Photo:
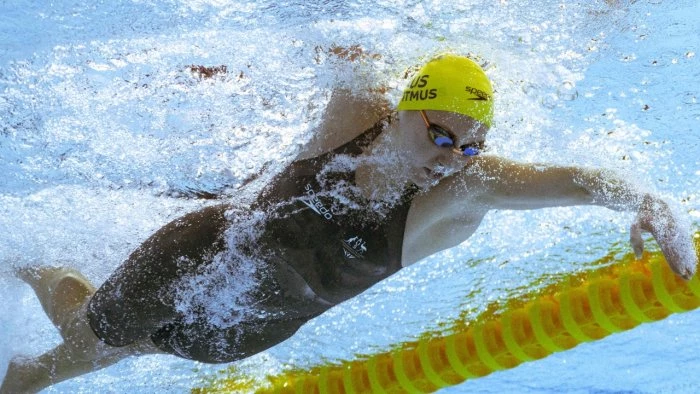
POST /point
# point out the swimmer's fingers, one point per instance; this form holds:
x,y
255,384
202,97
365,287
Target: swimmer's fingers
x,y
680,256
636,239
675,242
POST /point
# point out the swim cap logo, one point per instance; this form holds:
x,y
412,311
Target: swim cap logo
x,y
420,81
416,92
480,94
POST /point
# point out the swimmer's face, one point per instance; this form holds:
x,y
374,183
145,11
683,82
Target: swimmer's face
x,y
431,162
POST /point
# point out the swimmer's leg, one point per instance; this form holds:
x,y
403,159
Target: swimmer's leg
x,y
31,375
139,297
59,290
131,305
281,303
64,295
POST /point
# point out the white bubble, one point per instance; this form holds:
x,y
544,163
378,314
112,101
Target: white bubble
x,y
567,91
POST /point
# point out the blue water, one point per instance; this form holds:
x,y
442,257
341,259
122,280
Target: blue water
x,y
103,130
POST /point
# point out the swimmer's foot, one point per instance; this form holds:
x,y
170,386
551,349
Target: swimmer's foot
x,y
22,378
65,294
60,290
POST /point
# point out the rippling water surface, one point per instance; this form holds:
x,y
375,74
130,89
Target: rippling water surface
x,y
106,134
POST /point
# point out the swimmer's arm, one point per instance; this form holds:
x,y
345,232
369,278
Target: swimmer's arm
x,y
348,112
502,184
450,212
505,184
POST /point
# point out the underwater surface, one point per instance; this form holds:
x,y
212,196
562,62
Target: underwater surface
x,y
108,131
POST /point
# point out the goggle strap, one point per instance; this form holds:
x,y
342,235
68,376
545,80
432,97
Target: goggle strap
x,y
425,118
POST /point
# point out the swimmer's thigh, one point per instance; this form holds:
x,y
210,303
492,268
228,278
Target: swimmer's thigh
x,y
137,300
205,342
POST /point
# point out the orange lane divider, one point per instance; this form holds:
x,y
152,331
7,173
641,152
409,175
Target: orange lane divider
x,y
581,308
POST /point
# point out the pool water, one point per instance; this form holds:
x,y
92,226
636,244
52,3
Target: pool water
x,y
107,131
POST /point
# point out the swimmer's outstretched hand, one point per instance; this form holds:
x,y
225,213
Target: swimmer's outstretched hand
x,y
675,240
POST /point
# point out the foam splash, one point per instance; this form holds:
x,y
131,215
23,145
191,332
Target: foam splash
x,y
106,134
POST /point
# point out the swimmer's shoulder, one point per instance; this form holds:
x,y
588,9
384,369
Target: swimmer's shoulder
x,y
448,213
471,191
347,115
473,183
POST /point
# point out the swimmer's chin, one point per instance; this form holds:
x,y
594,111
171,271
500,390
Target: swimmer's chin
x,y
427,178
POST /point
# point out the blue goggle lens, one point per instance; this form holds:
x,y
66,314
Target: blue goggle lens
x,y
444,142
469,151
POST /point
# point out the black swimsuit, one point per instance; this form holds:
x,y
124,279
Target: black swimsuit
x,y
320,243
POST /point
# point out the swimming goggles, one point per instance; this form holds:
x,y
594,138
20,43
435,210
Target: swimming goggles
x,y
446,139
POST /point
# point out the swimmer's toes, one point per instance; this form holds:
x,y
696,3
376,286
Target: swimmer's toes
x,y
40,276
27,274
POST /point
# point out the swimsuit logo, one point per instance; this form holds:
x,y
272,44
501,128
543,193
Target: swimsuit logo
x,y
354,248
315,204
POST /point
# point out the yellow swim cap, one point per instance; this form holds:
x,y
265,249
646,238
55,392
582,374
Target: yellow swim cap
x,y
451,83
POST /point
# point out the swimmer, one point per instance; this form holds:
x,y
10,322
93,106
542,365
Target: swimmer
x,y
419,185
